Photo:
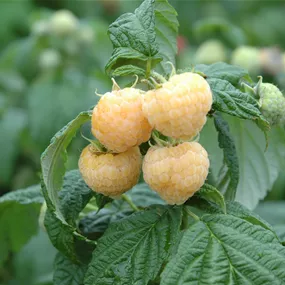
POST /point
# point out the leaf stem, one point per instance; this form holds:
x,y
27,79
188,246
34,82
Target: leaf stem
x,y
130,202
148,68
190,213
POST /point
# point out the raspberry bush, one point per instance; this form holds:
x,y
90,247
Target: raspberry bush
x,y
148,205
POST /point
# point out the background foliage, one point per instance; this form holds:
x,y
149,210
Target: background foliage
x,y
38,96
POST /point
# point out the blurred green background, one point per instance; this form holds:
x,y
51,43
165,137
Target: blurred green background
x,y
52,58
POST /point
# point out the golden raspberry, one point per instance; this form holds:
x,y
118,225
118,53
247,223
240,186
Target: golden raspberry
x,y
176,173
108,173
178,109
118,121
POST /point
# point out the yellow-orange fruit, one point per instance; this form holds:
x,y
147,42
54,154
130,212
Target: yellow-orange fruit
x,y
176,173
118,121
108,173
178,109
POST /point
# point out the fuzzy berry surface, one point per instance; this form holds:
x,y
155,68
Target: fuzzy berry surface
x,y
108,173
118,121
176,173
179,108
272,103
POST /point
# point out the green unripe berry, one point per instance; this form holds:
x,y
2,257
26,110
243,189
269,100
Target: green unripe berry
x,y
63,23
49,59
248,58
272,103
210,52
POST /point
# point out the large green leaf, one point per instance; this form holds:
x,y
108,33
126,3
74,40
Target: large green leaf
x,y
54,158
229,174
18,218
11,126
33,265
134,39
223,249
166,28
133,249
66,272
258,168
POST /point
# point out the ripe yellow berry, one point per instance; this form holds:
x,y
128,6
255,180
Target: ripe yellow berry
x,y
118,121
176,173
108,173
178,109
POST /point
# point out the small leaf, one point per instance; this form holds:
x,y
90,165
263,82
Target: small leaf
x,y
166,28
129,70
138,246
66,272
232,101
229,176
211,194
226,250
221,70
54,158
134,39
258,169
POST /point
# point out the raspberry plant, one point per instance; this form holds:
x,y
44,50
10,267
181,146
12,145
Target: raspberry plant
x,y
139,238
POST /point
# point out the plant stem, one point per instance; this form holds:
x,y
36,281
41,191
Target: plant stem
x,y
130,202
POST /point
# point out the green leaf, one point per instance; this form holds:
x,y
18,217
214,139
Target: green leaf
x,y
211,194
73,197
229,174
33,265
66,272
144,197
12,124
273,213
18,218
258,168
237,210
61,235
226,250
166,28
54,158
72,92
138,246
129,70
95,224
232,101
134,39
221,70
